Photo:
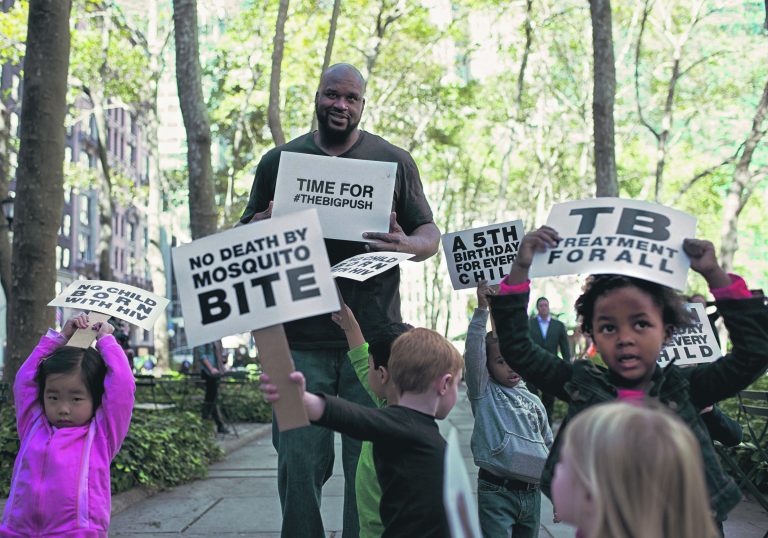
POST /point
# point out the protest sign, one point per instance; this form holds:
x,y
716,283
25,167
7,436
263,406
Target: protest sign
x,y
129,303
483,253
693,344
364,266
351,196
615,235
254,276
458,499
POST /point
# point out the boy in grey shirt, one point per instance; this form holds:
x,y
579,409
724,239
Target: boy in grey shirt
x,y
511,437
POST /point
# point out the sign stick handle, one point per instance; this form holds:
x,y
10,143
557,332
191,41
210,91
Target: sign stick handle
x,y
83,338
275,358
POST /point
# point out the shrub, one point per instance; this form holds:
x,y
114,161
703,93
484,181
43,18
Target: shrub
x,y
162,449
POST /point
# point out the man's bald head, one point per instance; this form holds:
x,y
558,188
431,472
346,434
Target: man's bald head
x,y
343,69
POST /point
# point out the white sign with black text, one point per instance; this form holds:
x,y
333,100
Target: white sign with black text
x,y
458,499
254,276
483,253
129,303
693,344
364,266
616,235
351,196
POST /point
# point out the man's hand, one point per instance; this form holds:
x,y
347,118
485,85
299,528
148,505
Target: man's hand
x,y
422,243
484,291
264,215
394,241
704,262
77,322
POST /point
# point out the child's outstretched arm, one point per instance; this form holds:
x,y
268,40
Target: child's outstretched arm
x,y
358,349
537,241
25,386
535,364
315,405
475,357
746,319
114,415
345,319
704,261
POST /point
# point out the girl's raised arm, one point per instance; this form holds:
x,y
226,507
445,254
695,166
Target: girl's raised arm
x,y
25,387
114,415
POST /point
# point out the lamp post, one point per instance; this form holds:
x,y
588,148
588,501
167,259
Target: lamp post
x,y
8,209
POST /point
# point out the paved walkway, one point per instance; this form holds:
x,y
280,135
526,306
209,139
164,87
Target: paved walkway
x,y
239,497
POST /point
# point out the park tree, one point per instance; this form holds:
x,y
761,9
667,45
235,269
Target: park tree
x,y
13,28
39,177
273,110
603,98
202,209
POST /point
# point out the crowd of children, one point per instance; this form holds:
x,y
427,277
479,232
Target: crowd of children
x,y
633,457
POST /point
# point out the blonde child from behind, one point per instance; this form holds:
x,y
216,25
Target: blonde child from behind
x,y
73,409
631,471
408,450
511,436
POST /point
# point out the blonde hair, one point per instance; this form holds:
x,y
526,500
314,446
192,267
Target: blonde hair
x,y
421,356
643,468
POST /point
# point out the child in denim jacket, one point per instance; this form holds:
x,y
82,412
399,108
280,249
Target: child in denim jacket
x,y
511,438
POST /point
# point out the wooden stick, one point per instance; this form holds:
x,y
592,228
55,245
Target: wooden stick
x,y
84,337
275,358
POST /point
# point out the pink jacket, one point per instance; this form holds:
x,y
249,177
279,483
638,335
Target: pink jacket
x,y
60,485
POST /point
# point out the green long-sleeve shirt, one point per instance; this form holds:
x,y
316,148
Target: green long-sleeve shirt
x,y
367,488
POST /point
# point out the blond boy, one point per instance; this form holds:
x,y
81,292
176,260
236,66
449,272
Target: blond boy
x,y
408,450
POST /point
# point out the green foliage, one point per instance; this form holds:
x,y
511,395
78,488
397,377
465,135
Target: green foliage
x,y
9,447
13,32
164,449
745,454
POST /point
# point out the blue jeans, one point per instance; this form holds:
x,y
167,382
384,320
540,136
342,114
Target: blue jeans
x,y
508,512
305,455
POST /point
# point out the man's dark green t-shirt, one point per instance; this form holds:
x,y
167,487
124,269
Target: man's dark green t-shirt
x,y
376,301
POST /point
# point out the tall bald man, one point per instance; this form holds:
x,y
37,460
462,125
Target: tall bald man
x,y
319,347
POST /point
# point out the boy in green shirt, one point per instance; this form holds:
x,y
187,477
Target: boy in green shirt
x,y
370,363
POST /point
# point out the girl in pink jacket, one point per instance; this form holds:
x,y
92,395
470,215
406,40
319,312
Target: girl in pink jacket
x,y
73,409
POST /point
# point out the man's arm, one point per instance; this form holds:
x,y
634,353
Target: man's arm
x,y
565,347
422,243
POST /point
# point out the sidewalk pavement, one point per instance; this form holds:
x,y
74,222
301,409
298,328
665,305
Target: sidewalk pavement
x,y
239,497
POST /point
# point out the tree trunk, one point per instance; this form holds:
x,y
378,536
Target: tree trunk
x,y
328,47
155,260
5,179
106,203
40,178
202,209
741,187
273,110
603,98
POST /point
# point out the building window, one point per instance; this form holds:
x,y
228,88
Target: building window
x,y
85,209
66,225
84,247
